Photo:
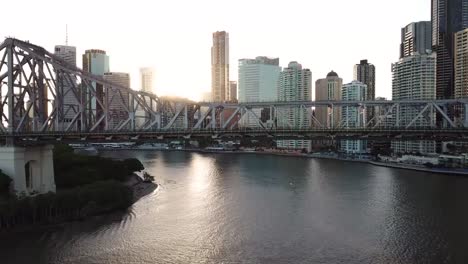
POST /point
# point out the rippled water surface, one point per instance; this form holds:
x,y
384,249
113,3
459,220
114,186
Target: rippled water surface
x,y
230,208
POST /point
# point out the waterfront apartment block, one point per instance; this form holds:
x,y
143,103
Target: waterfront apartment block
x,y
354,116
414,78
295,84
220,67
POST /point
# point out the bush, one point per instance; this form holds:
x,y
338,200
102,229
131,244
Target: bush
x,y
70,204
72,170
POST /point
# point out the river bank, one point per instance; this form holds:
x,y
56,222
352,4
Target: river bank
x,y
139,187
445,171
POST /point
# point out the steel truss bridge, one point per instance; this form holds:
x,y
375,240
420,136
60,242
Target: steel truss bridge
x,y
43,98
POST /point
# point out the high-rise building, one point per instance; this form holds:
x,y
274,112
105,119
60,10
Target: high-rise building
x,y
220,67
295,84
448,17
258,79
354,116
461,64
147,79
70,105
233,91
414,78
258,82
416,37
117,98
328,89
365,72
95,62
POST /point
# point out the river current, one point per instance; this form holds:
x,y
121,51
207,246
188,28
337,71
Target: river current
x,y
231,208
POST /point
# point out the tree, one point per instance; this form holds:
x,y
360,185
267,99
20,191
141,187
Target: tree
x,y
133,165
5,182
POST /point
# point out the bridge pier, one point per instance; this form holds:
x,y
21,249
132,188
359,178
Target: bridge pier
x,y
31,168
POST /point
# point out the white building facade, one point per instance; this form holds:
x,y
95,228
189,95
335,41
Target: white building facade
x,y
354,116
258,82
295,84
414,78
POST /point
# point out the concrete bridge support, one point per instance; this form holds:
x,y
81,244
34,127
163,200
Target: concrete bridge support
x,y
31,168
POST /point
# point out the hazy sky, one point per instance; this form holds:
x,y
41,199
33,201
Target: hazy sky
x,y
174,36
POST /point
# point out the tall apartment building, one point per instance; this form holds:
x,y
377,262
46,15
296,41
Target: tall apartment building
x,y
95,62
414,78
70,105
258,82
365,72
117,98
328,89
461,72
295,84
448,17
220,67
233,91
354,116
416,38
147,79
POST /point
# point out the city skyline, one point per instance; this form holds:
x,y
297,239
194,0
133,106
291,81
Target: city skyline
x,y
146,40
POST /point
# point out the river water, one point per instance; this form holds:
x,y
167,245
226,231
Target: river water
x,y
228,208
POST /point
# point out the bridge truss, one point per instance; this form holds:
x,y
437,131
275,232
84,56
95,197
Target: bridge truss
x,y
45,98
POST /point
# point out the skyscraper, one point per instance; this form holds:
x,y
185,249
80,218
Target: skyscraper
x,y
416,37
220,67
461,73
258,79
461,64
295,84
328,89
70,105
258,82
448,17
117,98
147,79
354,116
95,62
233,91
365,72
414,78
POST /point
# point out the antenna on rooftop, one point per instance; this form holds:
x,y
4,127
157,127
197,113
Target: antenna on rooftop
x,y
66,34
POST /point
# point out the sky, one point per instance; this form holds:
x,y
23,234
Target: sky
x,y
175,36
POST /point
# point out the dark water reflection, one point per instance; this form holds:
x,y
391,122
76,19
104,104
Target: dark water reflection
x,y
266,209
